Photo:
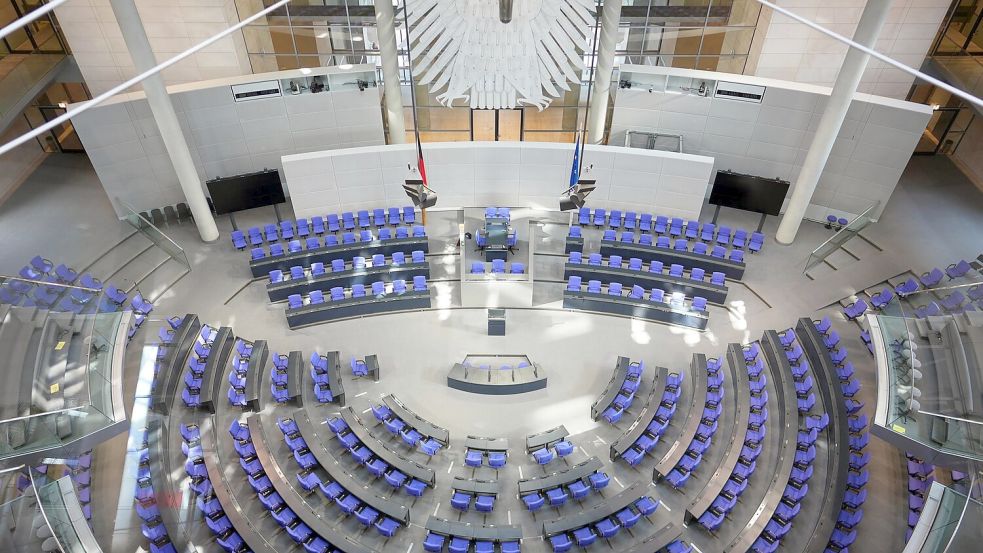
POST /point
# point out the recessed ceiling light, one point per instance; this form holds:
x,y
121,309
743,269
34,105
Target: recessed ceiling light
x,y
322,35
345,66
357,39
305,70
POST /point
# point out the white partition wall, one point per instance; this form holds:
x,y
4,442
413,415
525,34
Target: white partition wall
x,y
515,174
227,137
770,136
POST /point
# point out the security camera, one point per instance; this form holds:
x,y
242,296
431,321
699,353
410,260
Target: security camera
x,y
651,88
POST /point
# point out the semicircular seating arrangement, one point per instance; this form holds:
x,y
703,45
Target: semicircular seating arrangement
x,y
781,405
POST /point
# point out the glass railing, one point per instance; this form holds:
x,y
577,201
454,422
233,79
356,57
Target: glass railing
x,y
22,527
59,342
931,371
63,513
841,237
949,523
154,234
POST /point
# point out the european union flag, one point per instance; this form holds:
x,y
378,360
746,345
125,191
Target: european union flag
x,y
575,170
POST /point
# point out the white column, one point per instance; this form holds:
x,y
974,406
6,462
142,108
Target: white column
x,y
871,21
160,105
386,29
608,41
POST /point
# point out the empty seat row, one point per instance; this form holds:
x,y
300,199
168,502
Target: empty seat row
x,y
237,376
851,512
298,272
498,213
377,289
463,499
676,270
302,228
151,523
409,434
434,542
330,241
363,455
955,271
920,478
194,377
605,528
476,457
675,300
737,482
215,518
298,531
698,446
498,266
345,499
628,386
546,455
51,286
321,378
657,425
279,378
801,378
577,489
677,227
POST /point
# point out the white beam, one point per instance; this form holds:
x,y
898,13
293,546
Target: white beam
x,y
136,80
36,14
875,54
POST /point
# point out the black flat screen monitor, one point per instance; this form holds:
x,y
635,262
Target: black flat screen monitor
x,y
749,192
230,194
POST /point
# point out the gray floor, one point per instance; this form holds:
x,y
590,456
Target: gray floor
x,y
935,218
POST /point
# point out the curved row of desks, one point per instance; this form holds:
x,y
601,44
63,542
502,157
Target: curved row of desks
x,y
837,435
171,374
733,269
788,425
282,484
208,436
422,425
256,373
496,382
546,438
218,358
638,309
262,267
315,443
494,533
713,487
698,377
657,541
611,391
327,311
560,478
645,416
648,280
382,451
279,291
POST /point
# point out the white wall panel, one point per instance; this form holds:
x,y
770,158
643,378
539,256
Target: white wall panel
x,y
225,137
477,174
771,139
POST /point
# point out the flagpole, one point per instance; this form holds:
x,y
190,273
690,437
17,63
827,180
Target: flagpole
x,y
590,87
416,126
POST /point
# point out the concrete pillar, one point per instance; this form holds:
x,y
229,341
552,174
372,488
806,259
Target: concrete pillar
x,y
385,27
163,110
871,21
608,41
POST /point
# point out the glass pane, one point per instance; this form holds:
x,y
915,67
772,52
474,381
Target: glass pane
x,y
734,12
